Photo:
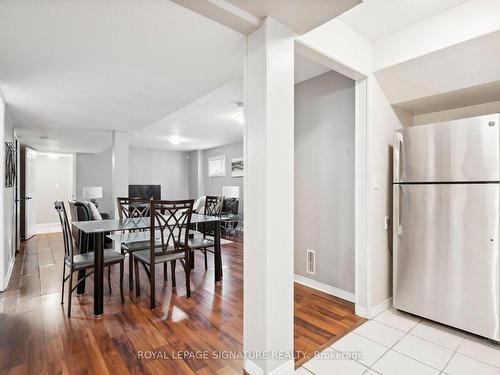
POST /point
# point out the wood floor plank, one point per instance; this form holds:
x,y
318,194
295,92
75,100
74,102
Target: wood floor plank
x,y
36,337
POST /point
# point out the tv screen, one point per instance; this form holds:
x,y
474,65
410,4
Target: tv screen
x,y
144,191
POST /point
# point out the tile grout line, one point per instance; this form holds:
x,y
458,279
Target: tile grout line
x,y
400,339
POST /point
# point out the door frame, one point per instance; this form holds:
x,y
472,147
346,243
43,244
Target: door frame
x,y
361,257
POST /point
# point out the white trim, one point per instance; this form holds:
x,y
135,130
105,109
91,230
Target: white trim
x,y
286,368
340,293
360,311
48,228
252,368
5,282
382,306
361,274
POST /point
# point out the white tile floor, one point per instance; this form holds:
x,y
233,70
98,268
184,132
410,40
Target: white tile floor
x,y
394,343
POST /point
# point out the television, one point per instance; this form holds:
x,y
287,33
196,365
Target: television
x,y
144,191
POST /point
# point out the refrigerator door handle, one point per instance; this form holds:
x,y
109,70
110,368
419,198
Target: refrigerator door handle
x,y
397,213
400,156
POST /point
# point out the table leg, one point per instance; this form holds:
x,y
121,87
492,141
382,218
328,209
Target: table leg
x,y
217,253
99,275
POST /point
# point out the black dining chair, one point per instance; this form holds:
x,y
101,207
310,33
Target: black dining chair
x,y
80,211
213,207
77,262
134,208
172,220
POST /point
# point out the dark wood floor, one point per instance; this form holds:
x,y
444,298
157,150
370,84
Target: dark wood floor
x,y
37,338
320,320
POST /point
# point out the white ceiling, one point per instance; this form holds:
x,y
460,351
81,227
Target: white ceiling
x,y
108,64
207,122
300,15
71,72
375,19
211,121
463,74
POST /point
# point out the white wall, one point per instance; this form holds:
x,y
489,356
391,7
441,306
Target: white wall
x,y
382,120
7,202
324,178
53,183
170,169
95,170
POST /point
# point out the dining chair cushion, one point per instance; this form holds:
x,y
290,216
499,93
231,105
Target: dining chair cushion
x,y
131,247
144,256
199,242
86,260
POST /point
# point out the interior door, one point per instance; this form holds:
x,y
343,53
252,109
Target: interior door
x,y
446,254
30,192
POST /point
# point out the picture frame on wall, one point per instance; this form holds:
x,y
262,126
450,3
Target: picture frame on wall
x,y
237,167
10,164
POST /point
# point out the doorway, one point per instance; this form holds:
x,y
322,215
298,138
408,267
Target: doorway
x,y
46,177
324,253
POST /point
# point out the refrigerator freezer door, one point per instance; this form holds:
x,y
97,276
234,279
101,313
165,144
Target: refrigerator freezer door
x,y
446,254
456,151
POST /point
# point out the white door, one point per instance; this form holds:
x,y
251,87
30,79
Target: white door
x,y
30,192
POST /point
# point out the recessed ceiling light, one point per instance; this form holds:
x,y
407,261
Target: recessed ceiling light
x,y
175,139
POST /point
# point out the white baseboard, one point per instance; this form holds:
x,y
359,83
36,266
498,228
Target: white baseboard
x,y
252,368
5,281
361,311
382,306
48,228
340,293
287,368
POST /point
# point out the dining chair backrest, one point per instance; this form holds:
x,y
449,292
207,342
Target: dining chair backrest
x,y
133,207
80,212
171,219
66,230
213,205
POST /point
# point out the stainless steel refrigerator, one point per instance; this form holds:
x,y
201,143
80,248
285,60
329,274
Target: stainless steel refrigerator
x,y
446,223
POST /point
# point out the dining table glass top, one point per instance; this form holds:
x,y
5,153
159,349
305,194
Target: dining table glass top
x,y
130,224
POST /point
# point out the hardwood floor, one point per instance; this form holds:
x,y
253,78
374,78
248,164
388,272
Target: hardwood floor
x,y
320,320
36,337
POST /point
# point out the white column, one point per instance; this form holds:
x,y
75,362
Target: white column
x,y
119,165
269,180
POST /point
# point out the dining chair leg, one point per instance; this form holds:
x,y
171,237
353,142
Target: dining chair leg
x,y
206,264
191,258
109,280
137,282
188,281
130,272
70,288
172,266
122,265
165,272
152,291
63,277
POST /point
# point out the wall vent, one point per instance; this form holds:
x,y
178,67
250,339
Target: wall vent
x,y
311,261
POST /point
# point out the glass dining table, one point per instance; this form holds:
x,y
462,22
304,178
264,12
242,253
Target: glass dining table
x,y
99,228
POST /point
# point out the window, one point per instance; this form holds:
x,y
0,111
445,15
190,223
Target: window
x,y
217,166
